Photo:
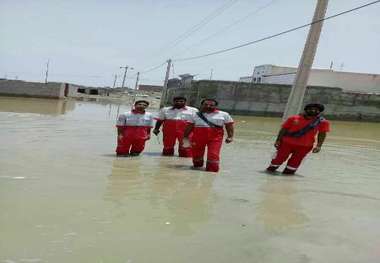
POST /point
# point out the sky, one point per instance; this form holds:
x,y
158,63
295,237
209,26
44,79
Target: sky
x,y
86,42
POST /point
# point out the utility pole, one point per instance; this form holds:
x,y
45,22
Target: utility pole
x,y
212,71
165,87
137,81
251,81
125,75
136,85
331,64
297,93
47,72
114,81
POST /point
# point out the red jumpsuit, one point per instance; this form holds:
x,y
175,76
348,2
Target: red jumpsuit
x,y
135,130
210,137
297,147
174,124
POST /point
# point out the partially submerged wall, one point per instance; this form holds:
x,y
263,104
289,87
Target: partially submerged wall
x,y
270,99
31,89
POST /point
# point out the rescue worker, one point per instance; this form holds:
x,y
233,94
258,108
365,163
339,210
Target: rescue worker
x,y
207,126
296,138
174,120
133,129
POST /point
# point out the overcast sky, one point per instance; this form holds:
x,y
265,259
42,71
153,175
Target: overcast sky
x,y
87,41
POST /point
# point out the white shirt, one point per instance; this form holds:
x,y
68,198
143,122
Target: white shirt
x,y
217,117
170,113
131,118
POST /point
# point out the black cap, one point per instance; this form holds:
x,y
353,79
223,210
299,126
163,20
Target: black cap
x,y
315,105
209,99
144,101
179,98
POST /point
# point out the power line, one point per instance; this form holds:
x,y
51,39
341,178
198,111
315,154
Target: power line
x,y
226,28
200,24
278,34
153,68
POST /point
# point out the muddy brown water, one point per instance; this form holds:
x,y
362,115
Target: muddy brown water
x,y
65,197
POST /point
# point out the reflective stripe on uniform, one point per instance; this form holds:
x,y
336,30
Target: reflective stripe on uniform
x,y
135,119
182,114
217,117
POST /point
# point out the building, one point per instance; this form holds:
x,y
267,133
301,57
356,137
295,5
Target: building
x,y
53,90
150,88
348,81
184,81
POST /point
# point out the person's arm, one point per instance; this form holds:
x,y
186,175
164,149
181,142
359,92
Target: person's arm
x,y
120,125
281,134
320,140
159,120
230,132
188,130
148,132
120,132
156,130
284,129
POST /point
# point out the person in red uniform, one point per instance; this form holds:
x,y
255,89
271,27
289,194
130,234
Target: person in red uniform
x,y
207,127
296,138
133,129
174,120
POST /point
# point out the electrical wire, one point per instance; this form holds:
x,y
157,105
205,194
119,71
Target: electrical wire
x,y
153,68
228,27
199,25
275,35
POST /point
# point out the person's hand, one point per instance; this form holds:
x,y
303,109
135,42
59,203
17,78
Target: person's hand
x,y
156,131
186,142
228,139
277,144
317,149
120,137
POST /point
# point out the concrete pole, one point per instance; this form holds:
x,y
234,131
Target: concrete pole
x,y
125,75
253,74
137,81
251,82
297,93
136,85
165,87
211,73
47,72
114,81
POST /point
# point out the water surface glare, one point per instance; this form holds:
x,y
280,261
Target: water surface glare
x,y
65,197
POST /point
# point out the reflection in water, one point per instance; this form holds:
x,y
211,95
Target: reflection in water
x,y
179,200
33,105
59,176
279,208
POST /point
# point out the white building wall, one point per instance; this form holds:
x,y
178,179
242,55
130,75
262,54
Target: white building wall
x,y
285,79
348,81
245,79
356,82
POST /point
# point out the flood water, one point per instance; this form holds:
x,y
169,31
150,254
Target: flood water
x,y
65,197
